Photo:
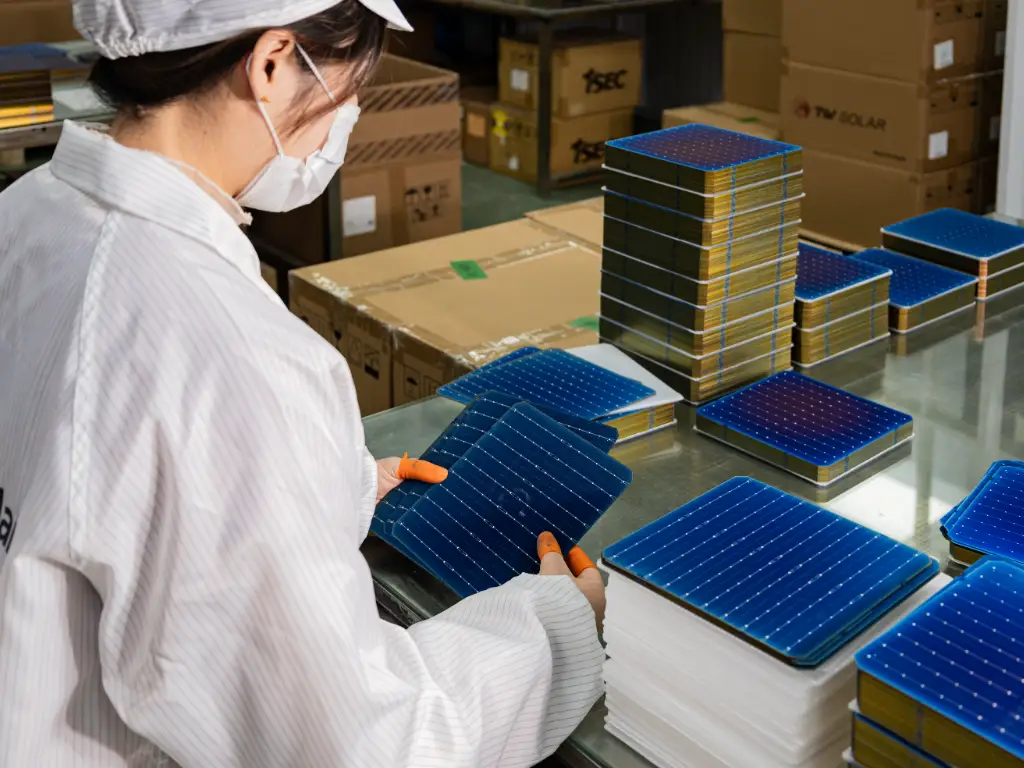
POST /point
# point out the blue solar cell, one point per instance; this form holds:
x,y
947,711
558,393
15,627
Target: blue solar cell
x,y
966,234
992,519
797,580
960,654
949,518
821,274
914,281
465,430
815,422
526,475
552,379
702,147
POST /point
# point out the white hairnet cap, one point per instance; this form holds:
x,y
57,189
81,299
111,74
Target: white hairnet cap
x,y
122,28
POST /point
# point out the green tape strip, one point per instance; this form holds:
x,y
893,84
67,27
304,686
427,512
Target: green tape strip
x,y
469,270
586,323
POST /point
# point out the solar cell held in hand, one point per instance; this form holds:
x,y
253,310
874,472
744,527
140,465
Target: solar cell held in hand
x,y
552,379
526,475
792,578
468,427
949,678
813,430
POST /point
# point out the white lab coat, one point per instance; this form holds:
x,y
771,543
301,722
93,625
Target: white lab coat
x,y
185,489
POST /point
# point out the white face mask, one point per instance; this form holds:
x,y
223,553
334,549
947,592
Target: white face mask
x,y
286,183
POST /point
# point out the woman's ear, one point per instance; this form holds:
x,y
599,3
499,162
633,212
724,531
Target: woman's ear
x,y
269,64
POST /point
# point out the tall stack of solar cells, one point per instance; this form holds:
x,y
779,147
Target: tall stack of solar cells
x,y
841,305
944,688
732,624
699,260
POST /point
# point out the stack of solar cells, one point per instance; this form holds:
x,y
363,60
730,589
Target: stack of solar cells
x,y
515,471
813,430
731,626
945,686
841,305
699,258
920,292
598,383
990,521
989,250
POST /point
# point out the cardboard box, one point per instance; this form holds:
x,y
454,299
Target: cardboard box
x,y
591,72
760,17
409,110
477,124
577,144
36,21
850,201
269,274
581,222
731,117
751,70
893,122
393,205
407,321
920,41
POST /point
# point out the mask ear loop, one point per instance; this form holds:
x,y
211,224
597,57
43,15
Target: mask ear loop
x,y
263,110
315,71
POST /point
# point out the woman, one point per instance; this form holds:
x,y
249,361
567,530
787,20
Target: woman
x,y
184,479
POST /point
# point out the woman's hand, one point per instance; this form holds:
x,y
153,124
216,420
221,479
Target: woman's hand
x,y
391,472
578,567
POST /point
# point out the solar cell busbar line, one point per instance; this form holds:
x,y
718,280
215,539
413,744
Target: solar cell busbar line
x,y
699,256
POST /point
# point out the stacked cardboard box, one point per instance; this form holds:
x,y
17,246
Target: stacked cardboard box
x,y
699,256
596,84
36,21
402,178
753,52
410,319
897,106
731,117
477,123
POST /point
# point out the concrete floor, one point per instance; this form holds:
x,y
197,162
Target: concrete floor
x,y
490,198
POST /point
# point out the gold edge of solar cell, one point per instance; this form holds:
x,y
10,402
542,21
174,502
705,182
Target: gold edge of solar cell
x,y
812,358
964,555
698,344
702,614
701,262
989,288
911,318
926,729
843,303
928,253
862,456
858,319
816,348
754,171
881,746
751,446
755,196
750,222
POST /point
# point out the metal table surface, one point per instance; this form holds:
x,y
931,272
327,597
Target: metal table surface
x,y
962,380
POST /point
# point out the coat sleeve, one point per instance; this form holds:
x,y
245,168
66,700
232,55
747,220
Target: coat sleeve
x,y
239,626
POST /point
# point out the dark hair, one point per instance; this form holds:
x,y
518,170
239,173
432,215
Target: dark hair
x,y
345,33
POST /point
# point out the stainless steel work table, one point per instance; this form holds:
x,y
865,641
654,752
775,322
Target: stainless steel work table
x,y
961,379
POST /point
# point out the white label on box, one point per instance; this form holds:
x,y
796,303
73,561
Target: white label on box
x,y
513,163
994,126
938,145
359,215
944,55
1000,43
519,79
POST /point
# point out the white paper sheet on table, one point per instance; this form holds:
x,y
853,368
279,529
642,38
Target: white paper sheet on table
x,y
615,360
